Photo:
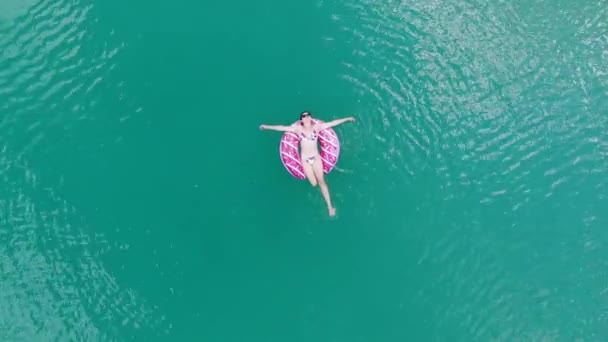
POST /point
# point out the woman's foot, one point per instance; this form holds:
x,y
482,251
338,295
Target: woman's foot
x,y
332,211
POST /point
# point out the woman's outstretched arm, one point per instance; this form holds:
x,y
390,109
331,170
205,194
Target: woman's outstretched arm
x,y
279,128
337,122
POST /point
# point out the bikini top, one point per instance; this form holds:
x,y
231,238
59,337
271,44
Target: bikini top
x,y
313,137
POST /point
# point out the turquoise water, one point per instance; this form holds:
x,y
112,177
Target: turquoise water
x,y
139,200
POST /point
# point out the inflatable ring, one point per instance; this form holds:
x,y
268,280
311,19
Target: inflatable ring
x,y
290,155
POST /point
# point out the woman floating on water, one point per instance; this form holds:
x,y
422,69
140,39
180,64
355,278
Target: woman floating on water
x,y
308,131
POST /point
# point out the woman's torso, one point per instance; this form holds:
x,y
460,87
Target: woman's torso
x,y
308,141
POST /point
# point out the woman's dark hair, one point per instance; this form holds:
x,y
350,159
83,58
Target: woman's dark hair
x,y
305,114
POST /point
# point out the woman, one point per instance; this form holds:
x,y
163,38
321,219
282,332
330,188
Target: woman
x,y
311,159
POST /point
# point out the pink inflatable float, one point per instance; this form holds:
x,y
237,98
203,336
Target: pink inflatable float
x,y
290,155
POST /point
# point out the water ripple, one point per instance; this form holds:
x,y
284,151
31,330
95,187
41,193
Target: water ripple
x,y
508,111
55,285
44,293
51,59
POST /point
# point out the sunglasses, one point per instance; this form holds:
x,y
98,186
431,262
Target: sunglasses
x,y
303,115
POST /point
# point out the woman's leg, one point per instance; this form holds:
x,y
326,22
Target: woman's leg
x,y
318,170
309,172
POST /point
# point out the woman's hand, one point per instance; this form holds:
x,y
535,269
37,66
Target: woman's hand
x,y
351,119
262,127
